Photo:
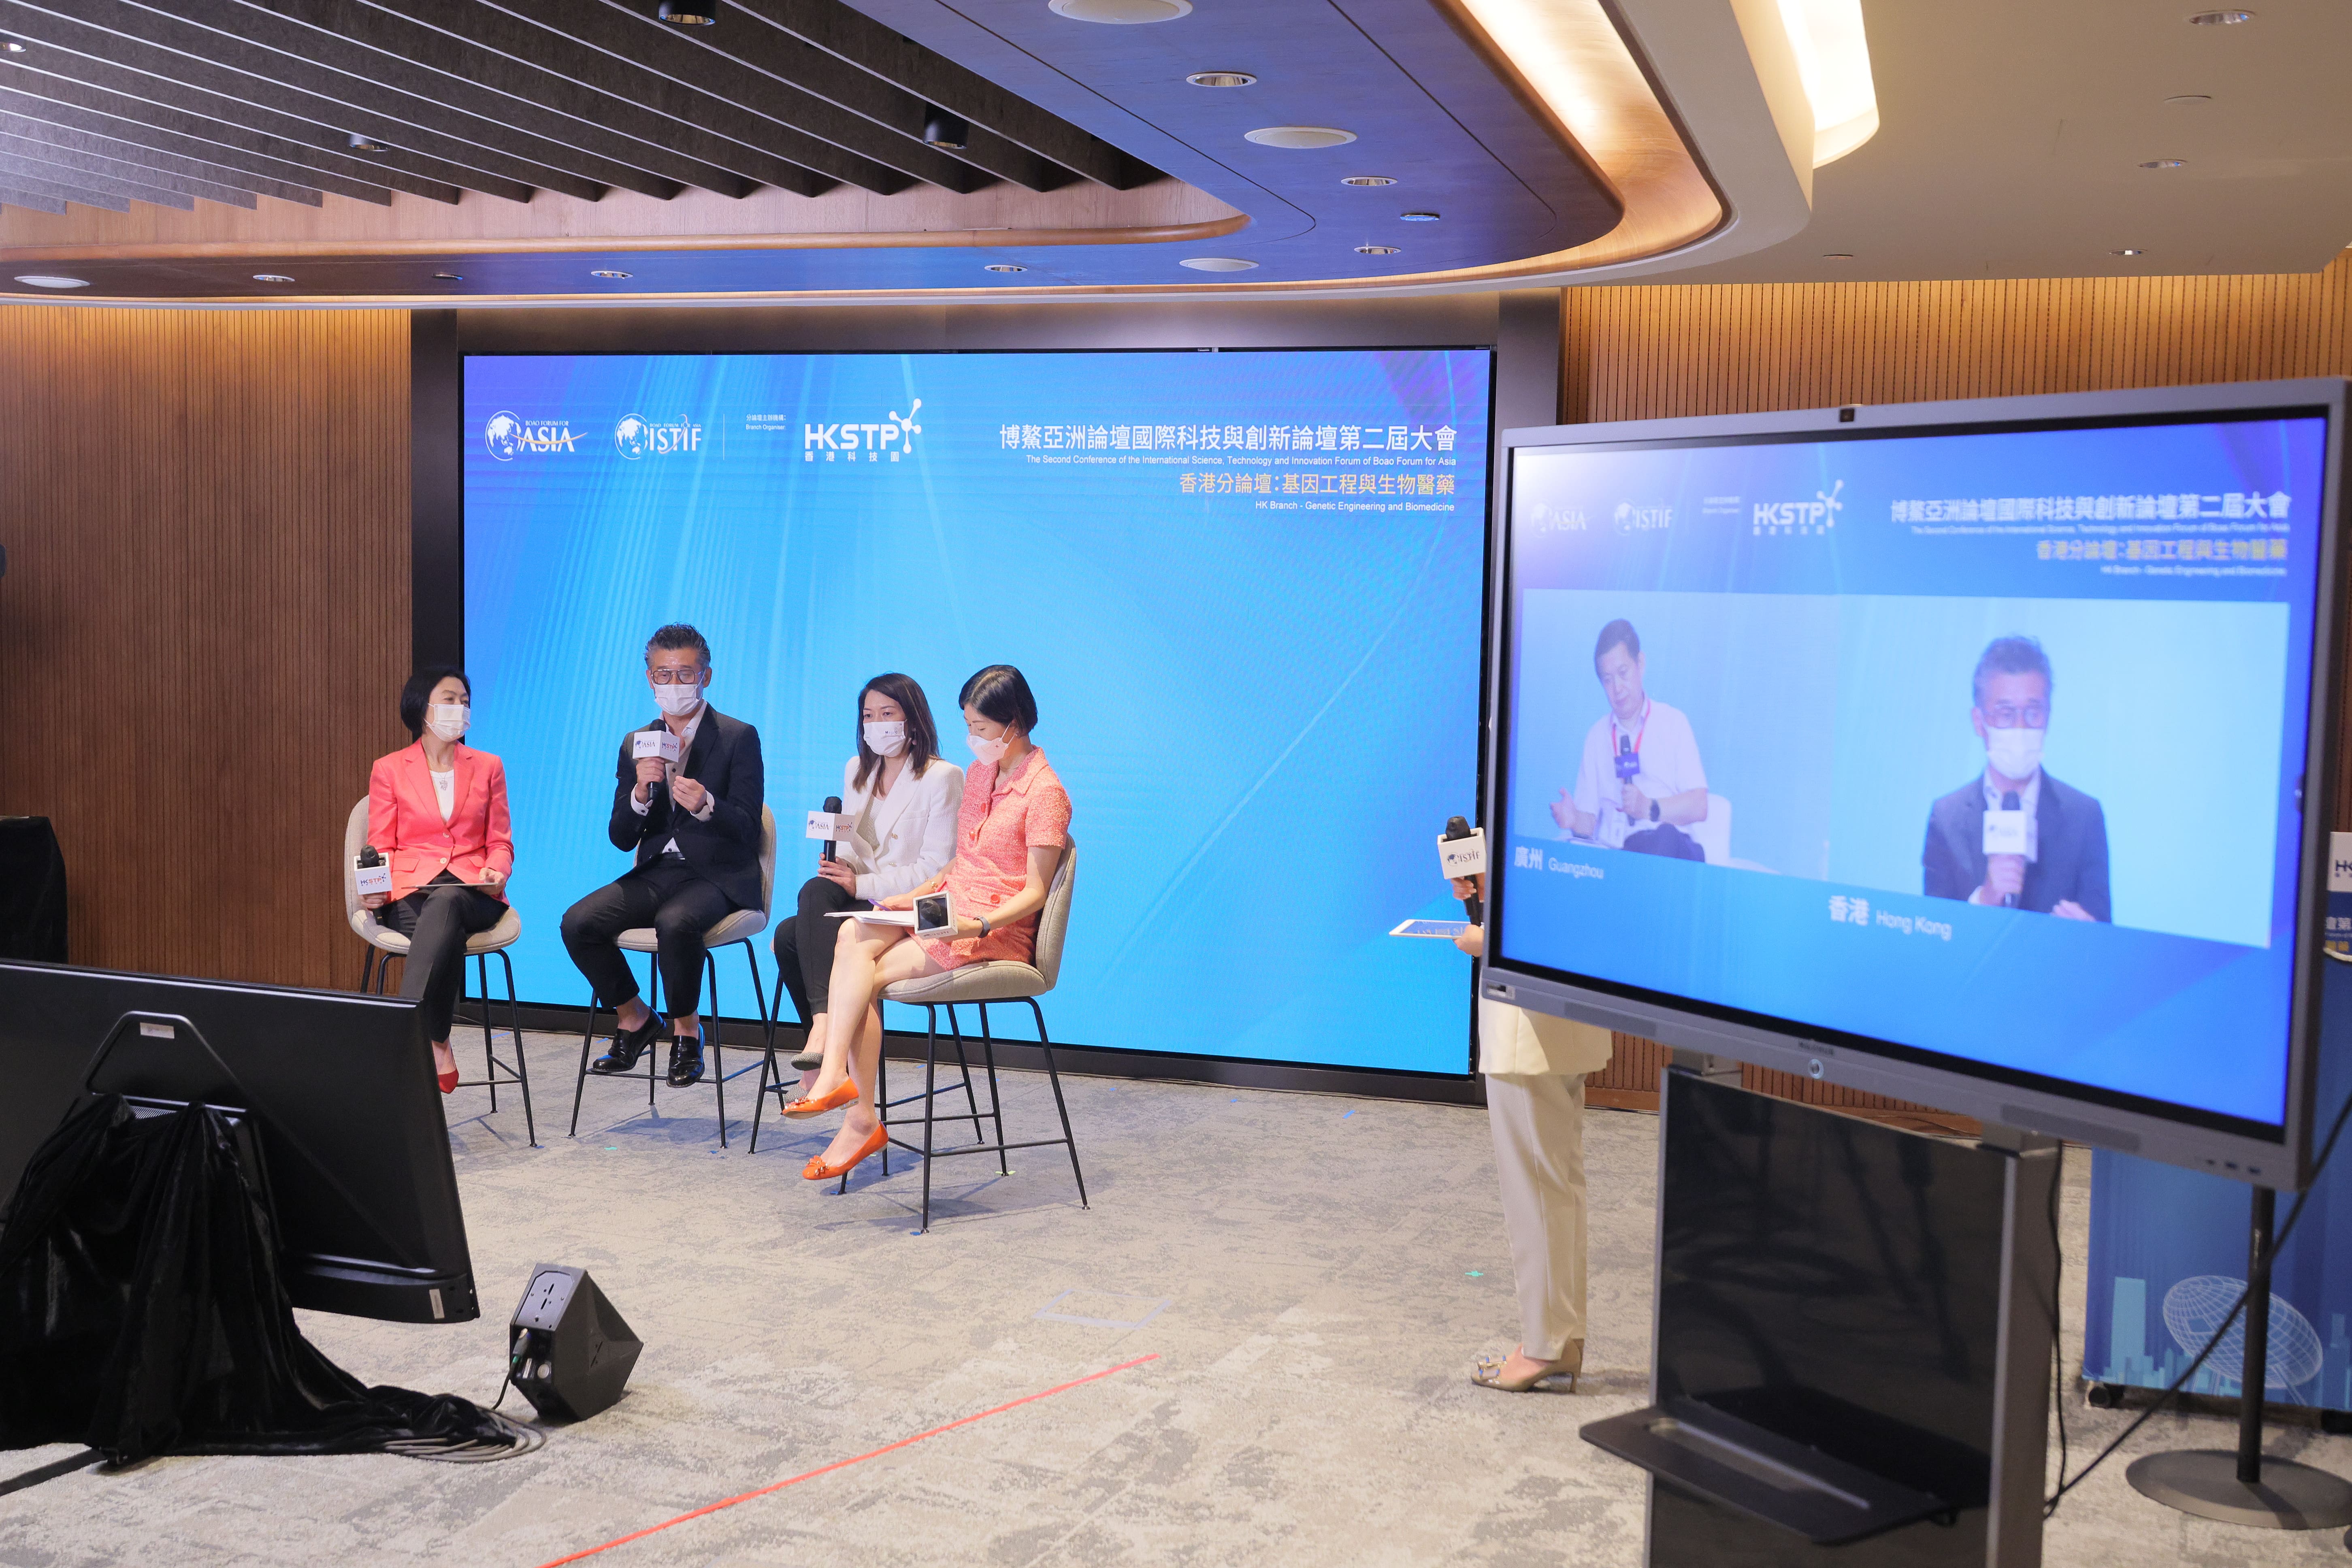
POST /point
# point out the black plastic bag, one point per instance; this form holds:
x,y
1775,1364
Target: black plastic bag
x,y
141,1311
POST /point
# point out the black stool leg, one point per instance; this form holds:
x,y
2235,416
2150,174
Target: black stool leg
x,y
963,1063
367,967
489,1051
931,1101
995,1103
522,1058
769,1071
653,1001
1055,1077
714,1056
587,1037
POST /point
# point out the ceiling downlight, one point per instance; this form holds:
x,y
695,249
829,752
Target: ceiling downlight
x,y
1120,13
1299,138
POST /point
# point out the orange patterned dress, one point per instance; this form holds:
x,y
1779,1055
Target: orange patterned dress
x,y
1002,820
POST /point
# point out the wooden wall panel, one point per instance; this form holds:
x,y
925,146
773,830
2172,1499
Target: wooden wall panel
x,y
1660,352
205,624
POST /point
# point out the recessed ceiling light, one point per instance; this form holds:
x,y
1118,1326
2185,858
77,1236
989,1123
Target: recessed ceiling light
x,y
1221,79
1418,217
609,272
1217,264
448,278
1367,180
1120,13
14,45
942,129
2220,18
271,278
2190,98
1376,250
49,280
2165,164
1004,267
688,13
2127,250
364,143
1299,138
1837,256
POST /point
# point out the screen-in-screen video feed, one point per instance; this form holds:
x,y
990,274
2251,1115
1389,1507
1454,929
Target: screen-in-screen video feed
x,y
1989,745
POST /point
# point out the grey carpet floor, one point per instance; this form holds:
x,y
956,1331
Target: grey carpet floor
x,y
1311,1277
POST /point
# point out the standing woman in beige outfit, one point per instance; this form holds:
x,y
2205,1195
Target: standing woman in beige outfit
x,y
1535,1066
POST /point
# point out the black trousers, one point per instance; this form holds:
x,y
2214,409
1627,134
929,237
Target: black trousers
x,y
804,943
437,919
669,895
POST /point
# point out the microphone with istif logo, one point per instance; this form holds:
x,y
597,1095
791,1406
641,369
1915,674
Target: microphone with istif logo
x,y
1462,852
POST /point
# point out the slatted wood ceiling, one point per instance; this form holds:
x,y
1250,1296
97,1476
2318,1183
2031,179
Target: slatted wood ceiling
x,y
205,624
1659,351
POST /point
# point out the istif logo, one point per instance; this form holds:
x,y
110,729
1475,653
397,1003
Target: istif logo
x,y
508,436
854,440
636,436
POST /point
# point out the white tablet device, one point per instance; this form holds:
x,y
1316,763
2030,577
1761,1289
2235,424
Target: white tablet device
x,y
935,914
1447,929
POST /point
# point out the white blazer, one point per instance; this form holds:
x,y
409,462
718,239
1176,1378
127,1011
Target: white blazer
x,y
914,827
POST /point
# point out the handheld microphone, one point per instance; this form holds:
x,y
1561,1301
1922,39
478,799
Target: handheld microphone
x,y
1462,852
657,741
1629,761
2009,803
832,804
373,873
2006,833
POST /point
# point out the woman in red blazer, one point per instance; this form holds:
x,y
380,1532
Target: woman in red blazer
x,y
438,811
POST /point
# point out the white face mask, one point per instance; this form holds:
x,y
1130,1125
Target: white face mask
x,y
678,700
986,750
886,737
2015,754
448,720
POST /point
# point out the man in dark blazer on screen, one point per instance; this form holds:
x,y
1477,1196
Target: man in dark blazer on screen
x,y
695,826
2063,868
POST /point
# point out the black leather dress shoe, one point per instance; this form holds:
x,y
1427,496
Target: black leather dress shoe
x,y
685,1062
628,1044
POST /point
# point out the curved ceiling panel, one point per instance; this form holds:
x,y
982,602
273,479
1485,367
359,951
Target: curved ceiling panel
x,y
578,149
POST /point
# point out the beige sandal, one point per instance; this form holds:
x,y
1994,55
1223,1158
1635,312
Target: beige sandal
x,y
1489,1372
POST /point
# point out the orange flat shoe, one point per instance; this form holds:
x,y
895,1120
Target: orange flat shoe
x,y
816,1170
841,1094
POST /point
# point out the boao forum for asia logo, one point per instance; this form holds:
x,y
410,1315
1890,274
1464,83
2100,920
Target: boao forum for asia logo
x,y
507,436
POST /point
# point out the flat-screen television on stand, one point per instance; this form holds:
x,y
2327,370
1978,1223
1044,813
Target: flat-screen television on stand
x,y
1979,753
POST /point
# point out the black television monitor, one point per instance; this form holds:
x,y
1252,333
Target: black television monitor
x,y
341,1090
1979,753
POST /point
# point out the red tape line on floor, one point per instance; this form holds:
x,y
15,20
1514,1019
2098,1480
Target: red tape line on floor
x,y
845,1464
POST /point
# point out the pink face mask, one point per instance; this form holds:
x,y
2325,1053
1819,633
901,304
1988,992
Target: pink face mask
x,y
987,750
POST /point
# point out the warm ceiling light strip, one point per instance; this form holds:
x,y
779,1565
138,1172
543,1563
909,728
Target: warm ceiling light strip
x,y
1570,58
1834,59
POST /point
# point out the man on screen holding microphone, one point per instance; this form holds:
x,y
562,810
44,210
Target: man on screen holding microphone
x,y
687,802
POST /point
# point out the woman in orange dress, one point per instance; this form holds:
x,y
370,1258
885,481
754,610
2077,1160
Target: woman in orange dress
x,y
1010,834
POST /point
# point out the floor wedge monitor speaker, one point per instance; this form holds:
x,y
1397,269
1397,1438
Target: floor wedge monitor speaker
x,y
571,1351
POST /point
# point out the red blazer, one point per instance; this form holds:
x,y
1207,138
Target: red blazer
x,y
404,820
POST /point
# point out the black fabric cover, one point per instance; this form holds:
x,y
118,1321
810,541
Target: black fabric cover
x,y
141,1311
32,890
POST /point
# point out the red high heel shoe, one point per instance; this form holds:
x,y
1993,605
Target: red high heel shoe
x,y
816,1170
448,1080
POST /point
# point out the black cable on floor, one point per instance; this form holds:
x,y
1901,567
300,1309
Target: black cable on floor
x,y
2278,1243
51,1470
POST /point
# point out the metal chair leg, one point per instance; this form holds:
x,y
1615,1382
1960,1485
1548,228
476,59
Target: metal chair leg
x,y
489,1051
963,1063
653,1002
587,1035
995,1102
522,1057
714,1054
1054,1077
771,1075
930,1102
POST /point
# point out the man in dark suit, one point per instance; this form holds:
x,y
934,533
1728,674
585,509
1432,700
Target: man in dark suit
x,y
2058,864
695,824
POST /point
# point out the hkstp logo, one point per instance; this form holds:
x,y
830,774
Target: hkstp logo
x,y
507,436
634,437
893,437
1819,512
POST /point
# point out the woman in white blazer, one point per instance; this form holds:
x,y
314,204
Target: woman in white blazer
x,y
902,798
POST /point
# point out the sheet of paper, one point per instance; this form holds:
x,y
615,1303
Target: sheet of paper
x,y
875,917
1449,930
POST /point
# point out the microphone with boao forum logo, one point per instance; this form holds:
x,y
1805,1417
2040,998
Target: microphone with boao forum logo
x,y
2005,834
833,808
657,741
1462,852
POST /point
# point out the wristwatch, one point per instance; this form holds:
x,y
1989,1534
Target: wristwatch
x,y
1653,811
984,925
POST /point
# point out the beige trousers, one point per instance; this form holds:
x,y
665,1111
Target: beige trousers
x,y
1538,1127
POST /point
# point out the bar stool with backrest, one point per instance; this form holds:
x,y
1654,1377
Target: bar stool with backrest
x,y
736,929
384,944
989,981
